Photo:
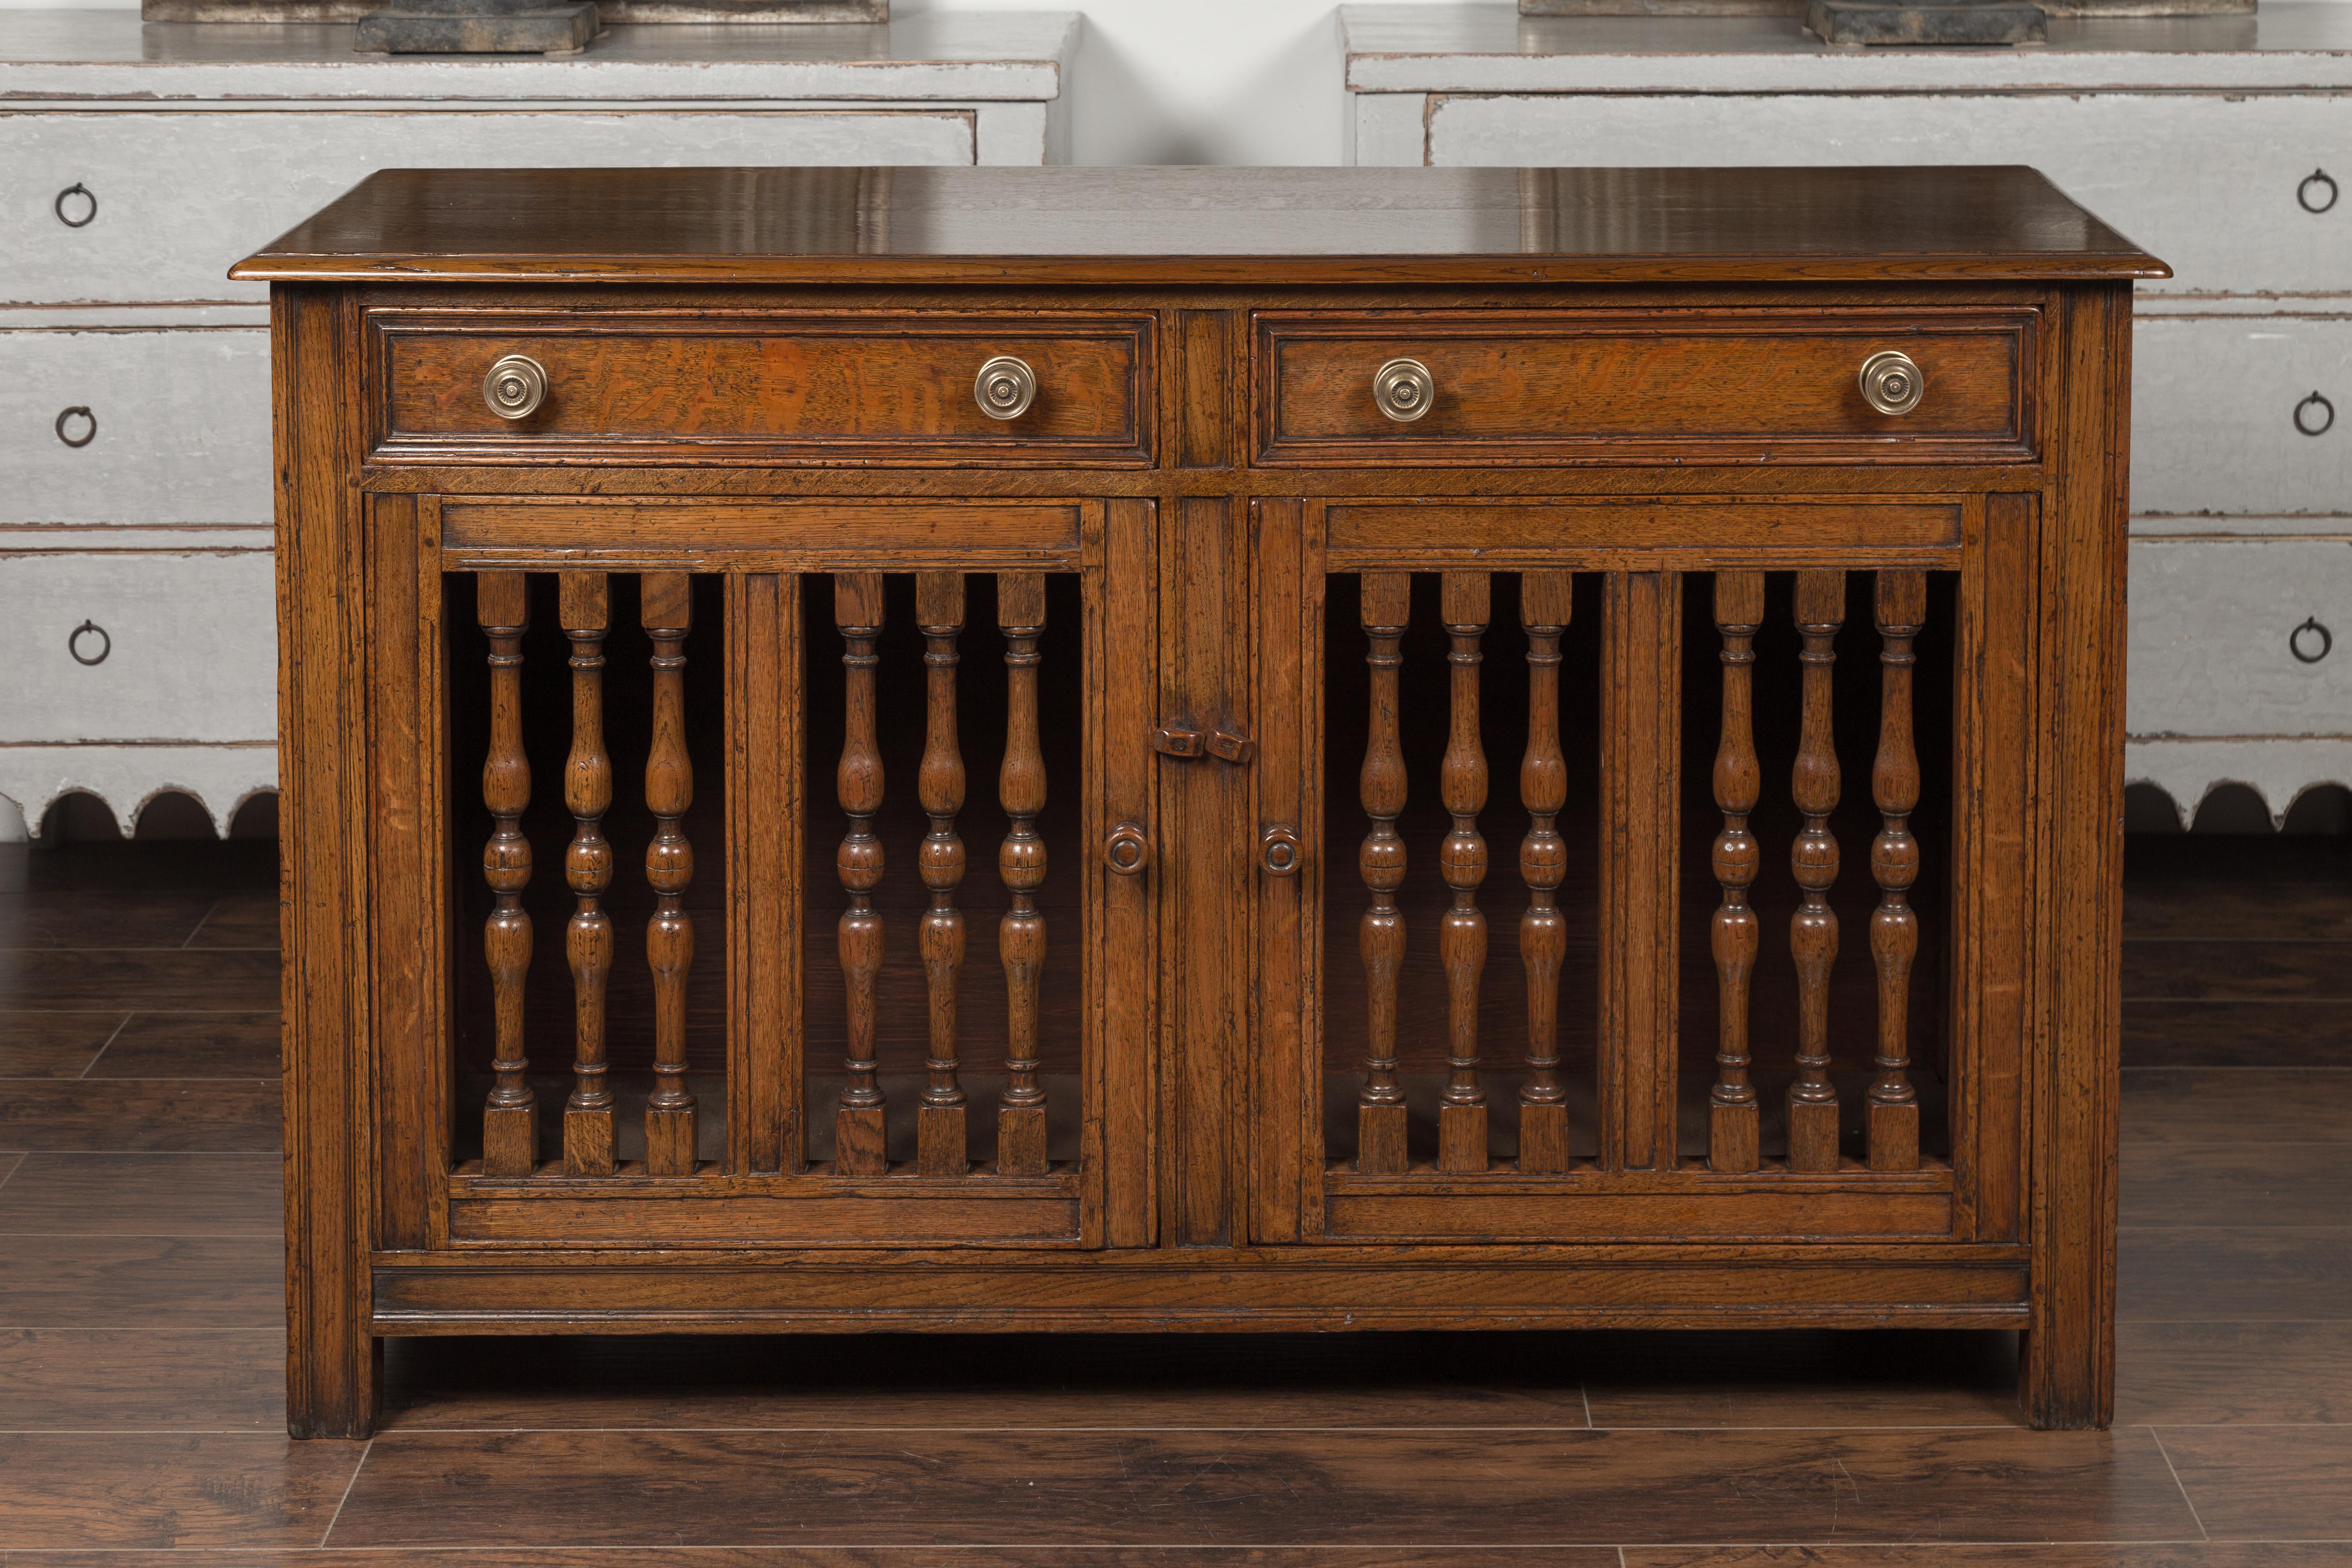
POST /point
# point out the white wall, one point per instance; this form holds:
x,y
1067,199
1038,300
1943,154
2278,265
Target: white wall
x,y
1196,81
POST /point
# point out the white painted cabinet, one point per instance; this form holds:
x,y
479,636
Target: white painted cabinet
x,y
2222,144
138,162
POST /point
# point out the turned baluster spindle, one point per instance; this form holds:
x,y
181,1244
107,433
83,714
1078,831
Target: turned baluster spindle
x,y
1731,1105
1812,1104
510,1117
1020,938
940,1145
666,611
859,1129
1544,598
1892,1107
1379,1108
588,1138
1461,859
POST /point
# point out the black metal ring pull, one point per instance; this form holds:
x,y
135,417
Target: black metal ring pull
x,y
87,628
2325,419
2295,638
88,435
87,217
2318,179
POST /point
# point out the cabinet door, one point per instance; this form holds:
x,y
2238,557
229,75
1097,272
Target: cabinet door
x,y
1641,870
782,868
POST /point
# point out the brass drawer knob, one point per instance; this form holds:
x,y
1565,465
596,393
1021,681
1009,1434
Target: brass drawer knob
x,y
1404,389
1006,387
1892,383
1127,850
515,387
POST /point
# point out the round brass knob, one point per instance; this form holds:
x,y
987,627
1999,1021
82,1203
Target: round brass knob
x,y
1006,387
1892,383
515,387
1404,389
1281,852
1127,850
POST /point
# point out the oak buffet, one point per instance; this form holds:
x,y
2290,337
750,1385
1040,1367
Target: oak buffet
x,y
1200,749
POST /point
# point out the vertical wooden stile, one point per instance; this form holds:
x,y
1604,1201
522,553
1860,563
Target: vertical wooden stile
x,y
858,1124
1812,1103
1021,863
1732,1111
1892,1106
1380,1106
588,1137
1462,860
510,1118
940,1146
1544,605
666,611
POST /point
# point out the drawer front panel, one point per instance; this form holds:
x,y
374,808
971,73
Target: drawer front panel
x,y
179,197
778,388
189,647
177,428
2208,182
1558,386
2222,411
2214,638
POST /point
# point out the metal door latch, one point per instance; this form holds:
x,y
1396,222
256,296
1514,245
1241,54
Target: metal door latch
x,y
1171,741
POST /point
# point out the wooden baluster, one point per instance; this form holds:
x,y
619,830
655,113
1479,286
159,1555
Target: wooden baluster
x,y
1893,1105
939,1123
1462,935
1544,601
588,1138
1812,1104
858,1118
1380,1109
1732,1110
666,611
510,1118
1021,938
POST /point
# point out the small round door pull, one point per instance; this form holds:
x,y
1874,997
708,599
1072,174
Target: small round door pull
x,y
515,387
2303,636
1404,389
2317,192
1127,851
1006,387
74,639
87,205
85,425
2315,415
1892,382
1281,852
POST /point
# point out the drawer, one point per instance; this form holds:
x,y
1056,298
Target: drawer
x,y
2216,403
2214,638
775,386
177,428
181,197
184,646
1607,386
2207,182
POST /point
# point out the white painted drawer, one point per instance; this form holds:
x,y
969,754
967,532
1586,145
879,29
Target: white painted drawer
x,y
2211,624
178,429
181,197
2214,404
2206,181
190,641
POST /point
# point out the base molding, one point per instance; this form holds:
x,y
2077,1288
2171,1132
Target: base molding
x,y
2280,769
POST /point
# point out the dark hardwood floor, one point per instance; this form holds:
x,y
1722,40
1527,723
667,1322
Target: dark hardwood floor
x,y
142,1374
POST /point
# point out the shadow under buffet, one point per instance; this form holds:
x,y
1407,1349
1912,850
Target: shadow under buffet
x,y
1466,749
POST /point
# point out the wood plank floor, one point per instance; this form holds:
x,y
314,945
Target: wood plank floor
x,y
141,1377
